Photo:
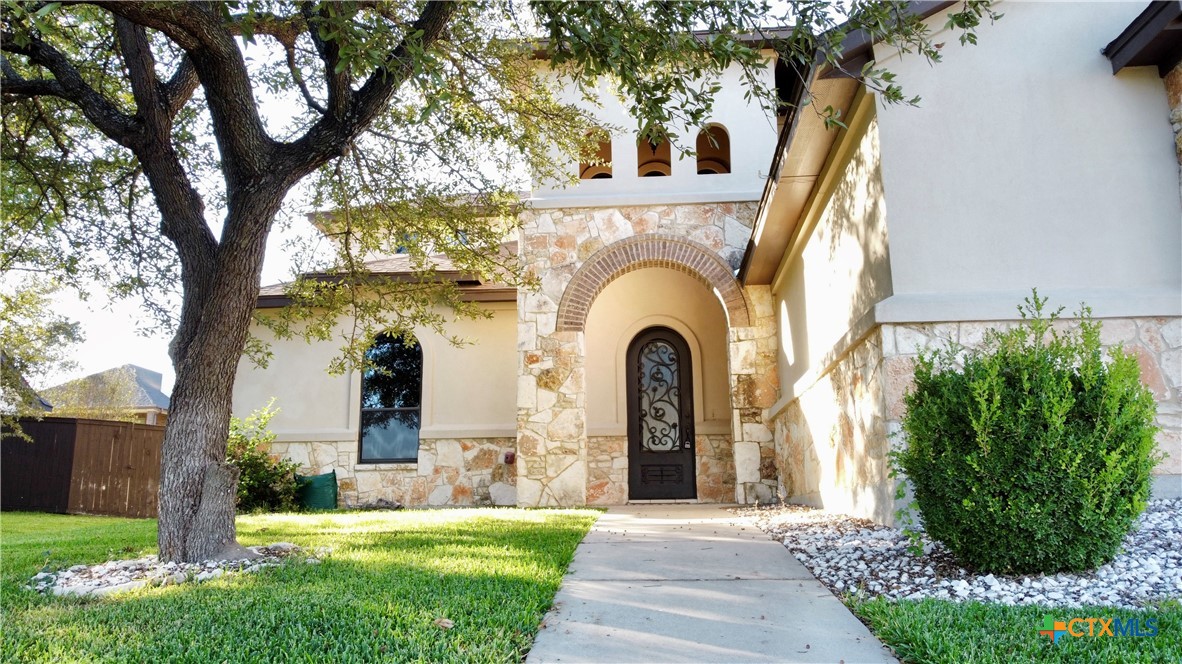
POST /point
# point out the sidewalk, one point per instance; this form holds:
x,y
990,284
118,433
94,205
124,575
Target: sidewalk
x,y
684,583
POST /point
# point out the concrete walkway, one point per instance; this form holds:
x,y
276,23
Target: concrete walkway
x,y
689,583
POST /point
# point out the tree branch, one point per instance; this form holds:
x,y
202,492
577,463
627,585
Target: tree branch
x,y
101,112
289,49
141,69
380,86
180,87
210,44
332,134
340,92
183,23
19,87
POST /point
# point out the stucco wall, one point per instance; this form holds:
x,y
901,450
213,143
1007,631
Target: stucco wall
x,y
844,268
829,431
468,391
1029,164
1173,82
634,302
752,134
1078,199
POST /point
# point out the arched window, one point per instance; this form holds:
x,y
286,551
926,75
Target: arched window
x,y
391,401
600,167
714,150
653,155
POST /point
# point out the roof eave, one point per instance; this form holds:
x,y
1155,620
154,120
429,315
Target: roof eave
x,y
1153,38
857,49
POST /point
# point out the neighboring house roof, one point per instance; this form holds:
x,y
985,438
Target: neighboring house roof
x,y
149,392
402,267
146,390
1153,38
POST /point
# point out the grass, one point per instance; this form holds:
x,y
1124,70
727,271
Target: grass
x,y
376,596
940,631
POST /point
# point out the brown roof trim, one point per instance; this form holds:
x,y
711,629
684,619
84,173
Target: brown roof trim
x,y
797,94
1153,38
469,292
857,49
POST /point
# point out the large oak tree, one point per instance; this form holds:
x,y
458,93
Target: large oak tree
x,y
135,153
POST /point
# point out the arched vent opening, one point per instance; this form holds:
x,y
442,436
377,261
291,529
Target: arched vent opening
x,y
653,154
599,166
714,150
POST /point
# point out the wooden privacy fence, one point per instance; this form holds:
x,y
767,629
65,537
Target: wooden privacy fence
x,y
82,467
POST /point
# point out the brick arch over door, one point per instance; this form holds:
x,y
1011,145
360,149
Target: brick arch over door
x,y
651,250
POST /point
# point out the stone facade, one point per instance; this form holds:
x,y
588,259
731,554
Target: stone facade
x,y
755,386
832,441
1156,342
575,253
467,471
607,469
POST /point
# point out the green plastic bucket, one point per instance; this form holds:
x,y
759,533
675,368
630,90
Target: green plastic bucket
x,y
318,492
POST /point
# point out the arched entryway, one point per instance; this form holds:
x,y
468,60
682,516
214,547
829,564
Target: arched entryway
x,y
638,302
650,250
659,386
571,416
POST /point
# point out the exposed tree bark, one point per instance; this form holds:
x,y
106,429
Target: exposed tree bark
x,y
197,487
220,280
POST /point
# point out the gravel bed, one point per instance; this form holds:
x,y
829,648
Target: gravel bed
x,y
124,575
854,555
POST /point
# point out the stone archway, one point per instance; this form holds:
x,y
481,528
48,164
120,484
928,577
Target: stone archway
x,y
649,250
576,253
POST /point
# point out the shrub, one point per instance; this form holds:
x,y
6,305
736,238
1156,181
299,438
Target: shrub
x,y
267,483
1030,453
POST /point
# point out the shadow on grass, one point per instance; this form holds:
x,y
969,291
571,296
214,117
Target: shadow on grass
x,y
376,596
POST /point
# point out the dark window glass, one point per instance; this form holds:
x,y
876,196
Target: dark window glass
x,y
391,396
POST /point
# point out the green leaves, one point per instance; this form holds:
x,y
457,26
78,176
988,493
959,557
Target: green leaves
x,y
427,124
266,483
35,342
1030,453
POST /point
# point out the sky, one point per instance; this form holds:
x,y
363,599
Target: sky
x,y
114,329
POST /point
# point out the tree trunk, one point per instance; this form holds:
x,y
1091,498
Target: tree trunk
x,y
197,486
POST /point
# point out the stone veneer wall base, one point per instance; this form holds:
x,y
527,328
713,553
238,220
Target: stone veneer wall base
x,y
832,441
466,471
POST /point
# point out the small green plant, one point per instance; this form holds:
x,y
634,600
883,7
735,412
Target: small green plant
x,y
266,482
1030,453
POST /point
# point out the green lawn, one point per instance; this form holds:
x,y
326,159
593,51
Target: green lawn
x,y
940,631
376,596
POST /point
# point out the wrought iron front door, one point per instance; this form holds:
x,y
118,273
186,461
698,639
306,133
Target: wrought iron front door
x,y
660,416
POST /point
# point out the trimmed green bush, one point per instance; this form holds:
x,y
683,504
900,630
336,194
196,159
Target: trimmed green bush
x,y
267,483
1030,453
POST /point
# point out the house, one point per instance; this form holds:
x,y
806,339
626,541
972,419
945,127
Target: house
x,y
741,327
128,392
